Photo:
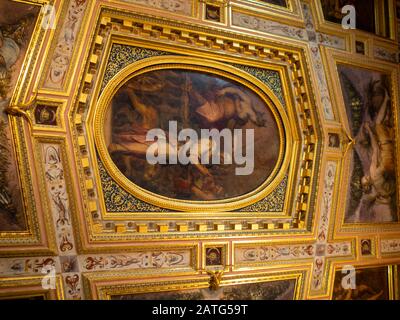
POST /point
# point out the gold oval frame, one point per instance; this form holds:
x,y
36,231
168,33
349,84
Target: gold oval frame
x,y
97,120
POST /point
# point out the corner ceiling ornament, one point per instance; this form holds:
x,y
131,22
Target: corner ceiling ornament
x,y
262,68
21,109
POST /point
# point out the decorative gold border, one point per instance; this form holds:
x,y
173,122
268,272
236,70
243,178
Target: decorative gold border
x,y
332,58
289,62
38,140
223,12
225,264
103,289
24,287
60,127
373,247
96,121
13,243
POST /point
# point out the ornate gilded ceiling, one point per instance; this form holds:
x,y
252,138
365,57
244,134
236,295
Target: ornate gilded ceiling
x,y
84,216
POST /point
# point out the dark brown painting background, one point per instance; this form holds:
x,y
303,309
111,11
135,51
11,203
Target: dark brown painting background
x,y
371,284
195,100
365,19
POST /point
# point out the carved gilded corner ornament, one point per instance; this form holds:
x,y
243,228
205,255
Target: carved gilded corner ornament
x,y
215,279
348,141
21,109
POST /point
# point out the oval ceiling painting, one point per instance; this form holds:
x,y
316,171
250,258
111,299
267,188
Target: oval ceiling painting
x,y
192,135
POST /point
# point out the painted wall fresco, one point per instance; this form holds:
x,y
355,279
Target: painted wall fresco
x,y
372,192
332,10
274,290
198,101
371,284
16,29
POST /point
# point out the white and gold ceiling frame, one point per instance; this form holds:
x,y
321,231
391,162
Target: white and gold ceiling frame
x,y
104,286
333,58
96,124
217,49
38,235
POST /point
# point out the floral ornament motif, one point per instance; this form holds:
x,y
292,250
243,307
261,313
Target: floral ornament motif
x,y
66,42
384,54
271,253
170,259
65,243
72,282
58,196
390,245
338,249
177,6
31,266
318,273
327,201
250,22
141,260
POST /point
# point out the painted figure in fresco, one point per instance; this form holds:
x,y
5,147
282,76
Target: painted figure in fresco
x,y
225,105
372,193
15,31
131,139
11,39
193,100
376,151
371,284
9,52
335,7
332,10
